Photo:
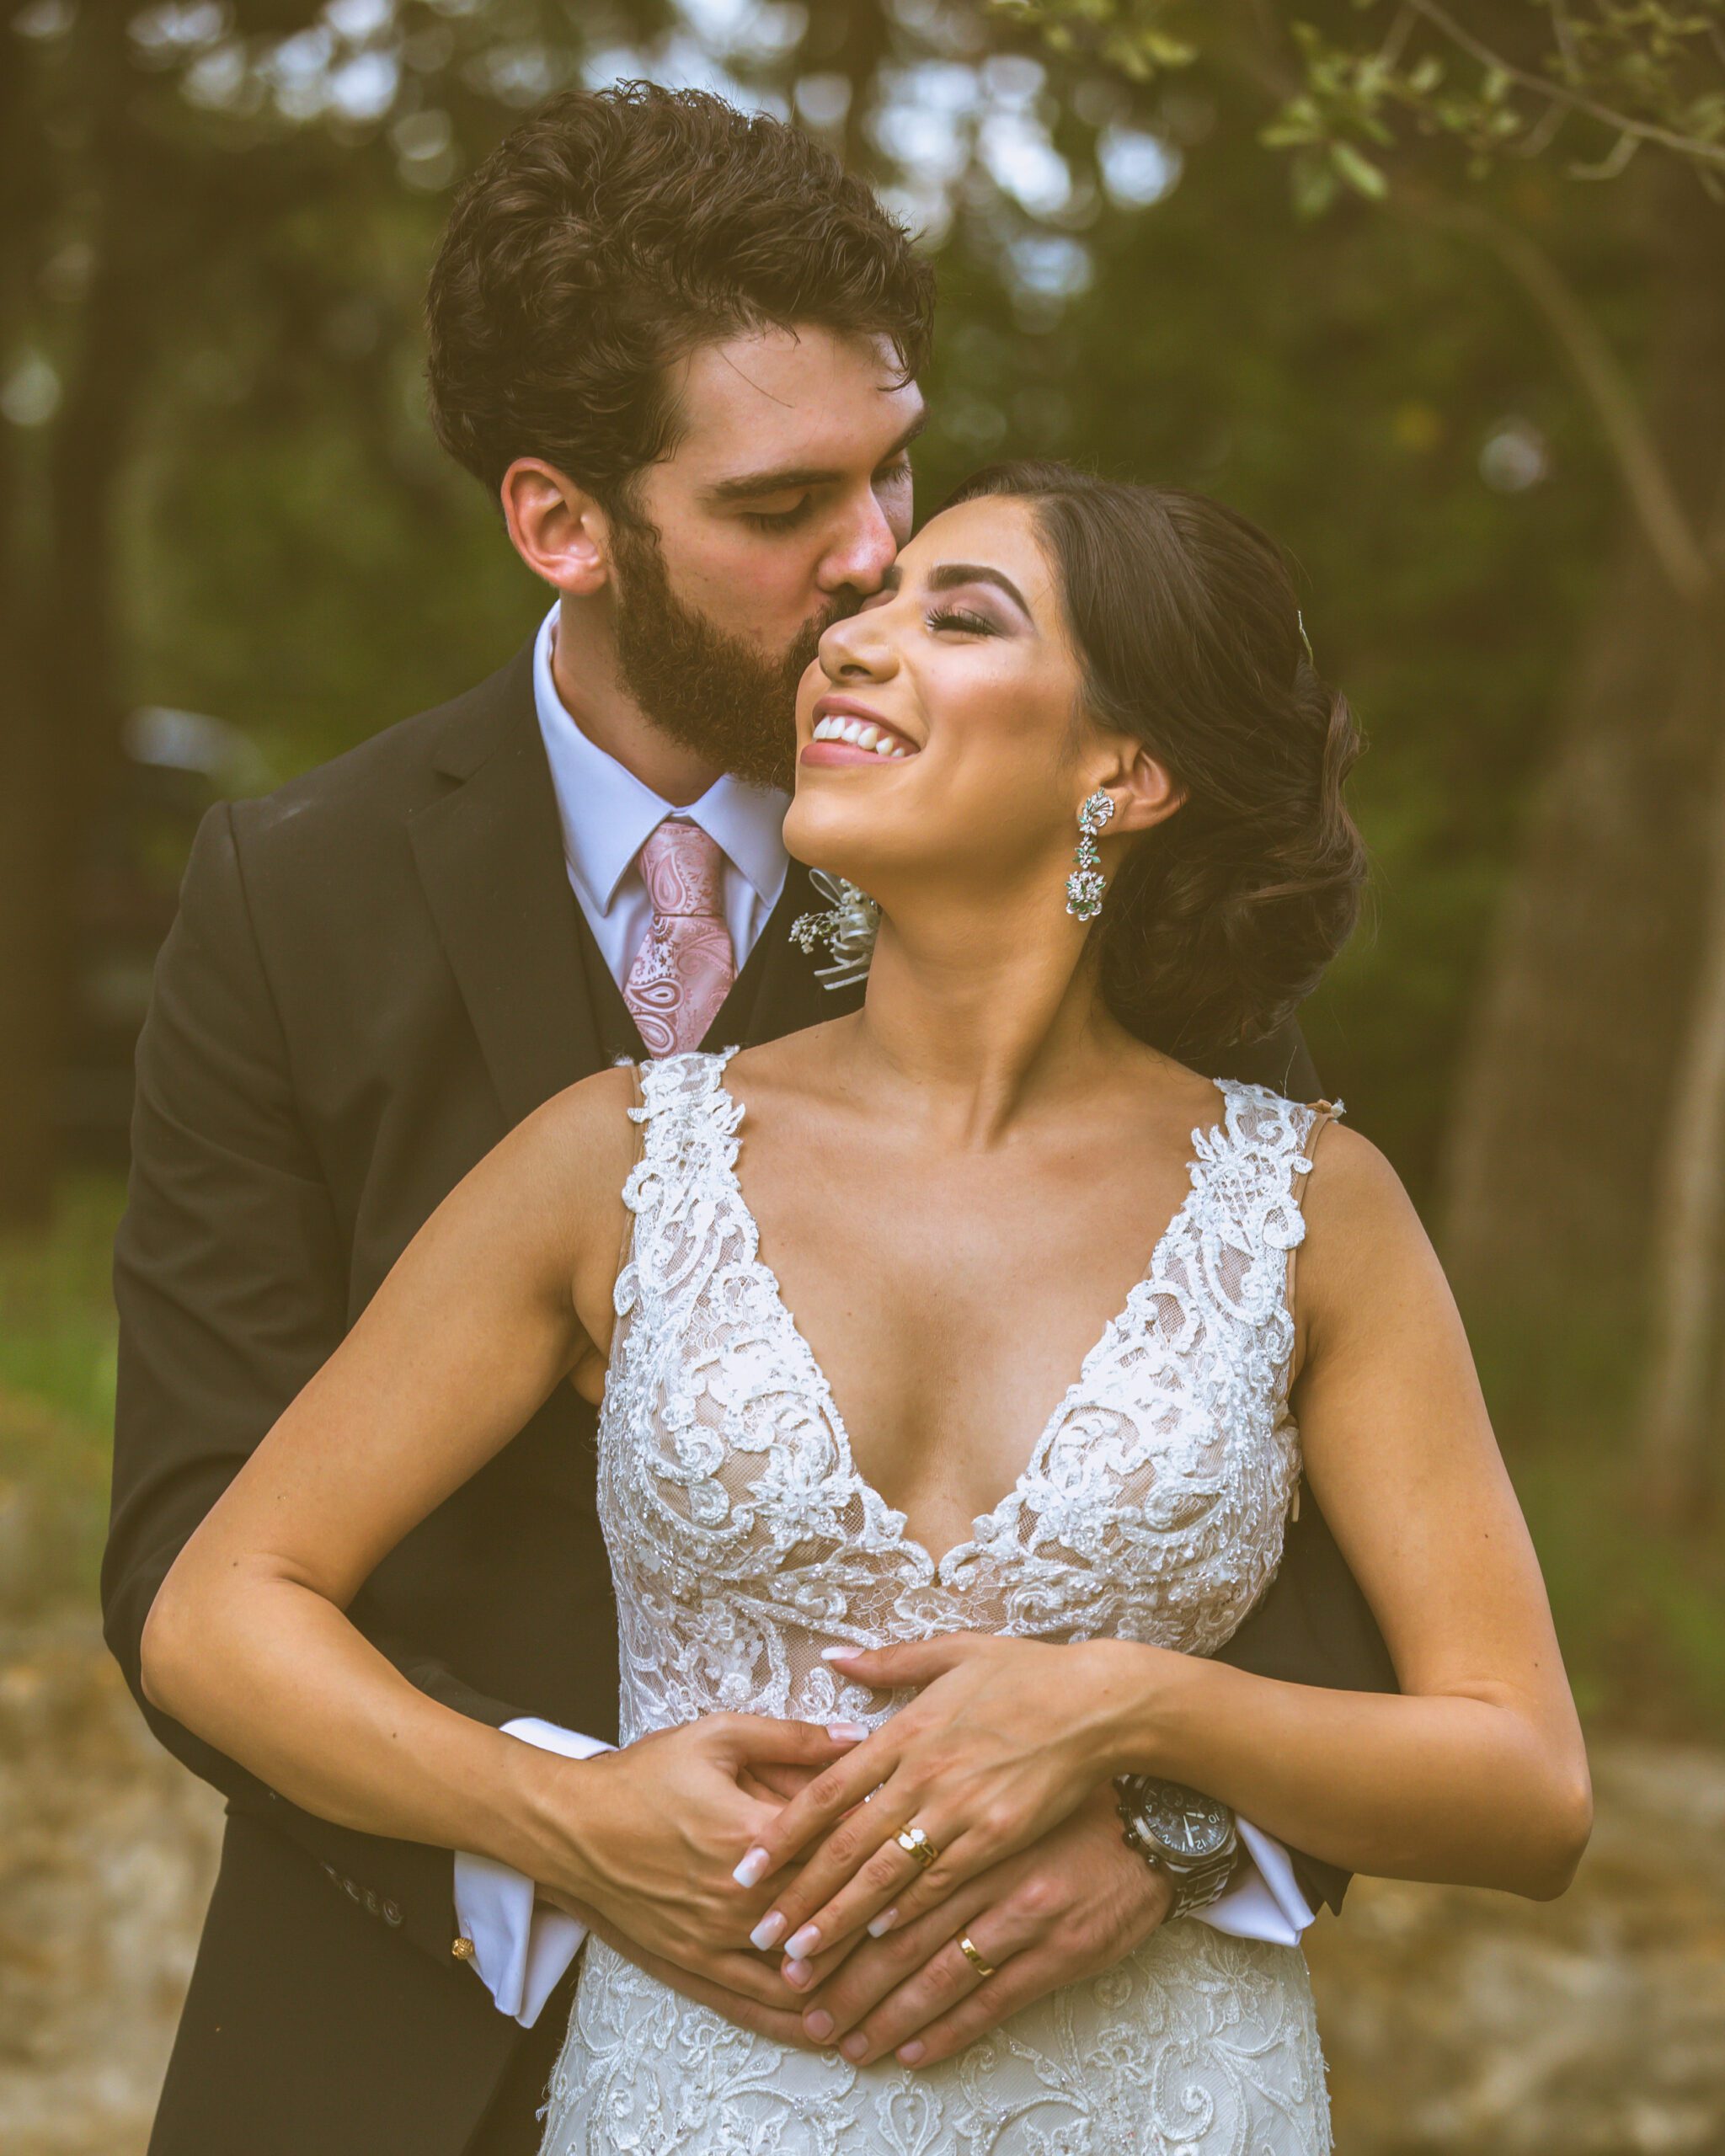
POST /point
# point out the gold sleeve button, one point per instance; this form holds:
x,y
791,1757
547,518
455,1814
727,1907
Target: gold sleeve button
x,y
463,1950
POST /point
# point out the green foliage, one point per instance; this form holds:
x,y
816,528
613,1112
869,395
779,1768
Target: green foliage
x,y
1433,94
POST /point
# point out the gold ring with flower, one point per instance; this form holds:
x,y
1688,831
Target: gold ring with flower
x,y
915,1843
968,1949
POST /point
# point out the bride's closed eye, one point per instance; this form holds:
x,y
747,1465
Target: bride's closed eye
x,y
960,617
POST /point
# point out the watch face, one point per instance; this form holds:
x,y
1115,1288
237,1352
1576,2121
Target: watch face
x,y
1188,1825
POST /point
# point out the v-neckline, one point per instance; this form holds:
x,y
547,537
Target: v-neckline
x,y
985,1523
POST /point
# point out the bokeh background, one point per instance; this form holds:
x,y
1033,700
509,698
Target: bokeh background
x,y
1438,295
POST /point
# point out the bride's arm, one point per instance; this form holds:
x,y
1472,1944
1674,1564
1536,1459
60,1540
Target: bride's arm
x,y
503,1295
247,1641
1475,1773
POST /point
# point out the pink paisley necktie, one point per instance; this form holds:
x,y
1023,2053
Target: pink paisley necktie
x,y
684,969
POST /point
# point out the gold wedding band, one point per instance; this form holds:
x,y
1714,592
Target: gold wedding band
x,y
915,1843
968,1950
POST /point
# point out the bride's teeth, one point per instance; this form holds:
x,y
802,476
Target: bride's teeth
x,y
883,747
867,736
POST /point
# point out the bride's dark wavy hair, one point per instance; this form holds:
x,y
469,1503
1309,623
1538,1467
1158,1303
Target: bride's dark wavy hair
x,y
1183,616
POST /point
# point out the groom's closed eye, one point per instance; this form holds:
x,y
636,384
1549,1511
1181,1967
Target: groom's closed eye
x,y
896,473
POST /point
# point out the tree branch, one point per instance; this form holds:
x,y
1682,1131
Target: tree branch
x,y
1688,146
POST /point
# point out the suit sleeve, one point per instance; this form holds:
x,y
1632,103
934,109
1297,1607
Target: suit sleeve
x,y
230,1278
1314,1626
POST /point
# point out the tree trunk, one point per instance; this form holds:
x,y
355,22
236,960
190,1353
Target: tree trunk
x,y
61,721
1686,1363
1566,1079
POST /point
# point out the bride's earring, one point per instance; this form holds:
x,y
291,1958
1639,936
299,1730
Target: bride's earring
x,y
1086,885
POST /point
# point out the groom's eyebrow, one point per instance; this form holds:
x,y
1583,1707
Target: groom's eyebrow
x,y
779,479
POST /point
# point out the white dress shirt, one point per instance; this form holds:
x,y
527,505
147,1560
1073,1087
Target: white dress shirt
x,y
521,1946
608,815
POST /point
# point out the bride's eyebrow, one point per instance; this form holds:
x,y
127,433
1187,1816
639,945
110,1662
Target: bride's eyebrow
x,y
949,575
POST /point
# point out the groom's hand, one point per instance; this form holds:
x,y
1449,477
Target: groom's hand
x,y
1067,1908
642,1844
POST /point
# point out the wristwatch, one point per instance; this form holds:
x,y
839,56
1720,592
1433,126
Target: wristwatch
x,y
1184,1832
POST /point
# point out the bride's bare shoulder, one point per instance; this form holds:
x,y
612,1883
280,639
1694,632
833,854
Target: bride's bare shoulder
x,y
566,1162
1364,1241
587,1129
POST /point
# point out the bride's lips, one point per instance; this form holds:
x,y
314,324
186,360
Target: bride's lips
x,y
847,731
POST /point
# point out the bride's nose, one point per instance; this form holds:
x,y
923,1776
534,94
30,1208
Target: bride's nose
x,y
858,649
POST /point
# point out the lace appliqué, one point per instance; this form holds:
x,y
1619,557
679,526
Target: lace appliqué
x,y
744,1538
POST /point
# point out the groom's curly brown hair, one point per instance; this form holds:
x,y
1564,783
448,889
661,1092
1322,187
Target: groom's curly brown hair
x,y
616,231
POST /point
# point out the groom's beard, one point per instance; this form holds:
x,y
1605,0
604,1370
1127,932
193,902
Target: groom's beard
x,y
708,690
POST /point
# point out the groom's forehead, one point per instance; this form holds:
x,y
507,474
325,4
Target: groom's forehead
x,y
803,402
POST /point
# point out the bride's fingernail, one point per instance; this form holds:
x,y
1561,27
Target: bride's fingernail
x,y
854,2045
798,1974
847,1733
801,1943
840,1654
879,1926
766,1933
910,2053
753,1869
819,2025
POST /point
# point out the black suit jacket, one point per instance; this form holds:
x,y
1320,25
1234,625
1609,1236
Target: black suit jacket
x,y
374,974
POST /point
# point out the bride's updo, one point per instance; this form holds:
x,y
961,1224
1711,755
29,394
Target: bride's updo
x,y
1183,617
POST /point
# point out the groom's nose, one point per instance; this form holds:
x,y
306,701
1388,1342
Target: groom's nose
x,y
863,550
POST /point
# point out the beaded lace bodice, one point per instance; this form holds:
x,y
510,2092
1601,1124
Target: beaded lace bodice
x,y
744,1538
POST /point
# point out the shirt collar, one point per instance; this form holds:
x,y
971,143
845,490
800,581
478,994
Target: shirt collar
x,y
607,814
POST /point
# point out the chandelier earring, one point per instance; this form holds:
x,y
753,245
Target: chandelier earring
x,y
1086,885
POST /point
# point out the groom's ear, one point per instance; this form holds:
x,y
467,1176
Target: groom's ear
x,y
558,528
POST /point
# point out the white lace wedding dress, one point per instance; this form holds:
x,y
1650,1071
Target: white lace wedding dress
x,y
744,1540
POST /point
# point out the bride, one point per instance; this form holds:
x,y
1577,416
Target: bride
x,y
924,1460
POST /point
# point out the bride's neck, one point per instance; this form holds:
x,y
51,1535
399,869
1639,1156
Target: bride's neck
x,y
980,1023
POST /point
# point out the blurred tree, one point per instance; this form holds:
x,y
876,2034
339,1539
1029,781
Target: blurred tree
x,y
1596,1069
177,180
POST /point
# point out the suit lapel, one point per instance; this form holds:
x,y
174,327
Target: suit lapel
x,y
489,854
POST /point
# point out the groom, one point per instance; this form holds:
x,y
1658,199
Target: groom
x,y
679,347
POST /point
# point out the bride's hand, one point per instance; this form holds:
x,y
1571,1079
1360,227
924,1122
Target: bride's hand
x,y
1005,1739
646,1838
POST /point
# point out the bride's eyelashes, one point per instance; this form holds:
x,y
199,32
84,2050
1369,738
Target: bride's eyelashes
x,y
960,617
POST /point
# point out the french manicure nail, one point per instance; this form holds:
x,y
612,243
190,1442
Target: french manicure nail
x,y
798,1974
910,2053
753,1869
766,1933
847,1733
840,1654
854,2045
819,2025
801,1943
879,1926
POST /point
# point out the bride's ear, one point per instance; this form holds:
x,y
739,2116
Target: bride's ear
x,y
1145,791
558,528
